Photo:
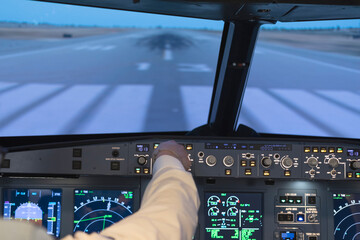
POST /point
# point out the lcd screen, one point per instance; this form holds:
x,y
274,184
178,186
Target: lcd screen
x,y
346,215
233,215
39,206
95,210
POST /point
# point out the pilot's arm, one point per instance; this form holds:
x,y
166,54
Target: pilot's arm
x,y
169,206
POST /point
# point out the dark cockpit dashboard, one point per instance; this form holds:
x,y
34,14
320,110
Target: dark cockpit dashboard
x,y
249,188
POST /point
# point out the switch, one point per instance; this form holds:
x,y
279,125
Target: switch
x,y
315,149
323,149
266,173
76,165
331,149
300,217
189,146
311,199
248,172
349,174
283,199
252,163
146,171
5,163
307,149
115,165
243,163
137,170
77,152
227,171
287,173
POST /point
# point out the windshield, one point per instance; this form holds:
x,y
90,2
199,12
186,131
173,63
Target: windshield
x,y
305,80
68,69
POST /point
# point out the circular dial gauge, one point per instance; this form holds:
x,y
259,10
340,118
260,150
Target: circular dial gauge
x,y
213,201
232,201
213,212
232,212
96,213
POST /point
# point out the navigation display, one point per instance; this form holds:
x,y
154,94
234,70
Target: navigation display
x,y
346,215
95,210
233,215
39,206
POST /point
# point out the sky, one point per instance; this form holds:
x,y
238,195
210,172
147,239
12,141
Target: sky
x,y
60,14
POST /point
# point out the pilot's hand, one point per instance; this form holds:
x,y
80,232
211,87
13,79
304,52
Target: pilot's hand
x,y
175,150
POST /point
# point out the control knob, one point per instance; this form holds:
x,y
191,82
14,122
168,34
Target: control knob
x,y
333,162
141,160
287,162
355,165
228,161
312,162
210,160
266,162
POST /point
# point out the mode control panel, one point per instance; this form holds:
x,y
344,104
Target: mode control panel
x,y
229,158
297,215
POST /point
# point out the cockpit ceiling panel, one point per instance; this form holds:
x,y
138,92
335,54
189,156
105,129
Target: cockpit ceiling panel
x,y
274,10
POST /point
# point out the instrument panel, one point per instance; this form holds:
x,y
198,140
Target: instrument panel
x,y
249,189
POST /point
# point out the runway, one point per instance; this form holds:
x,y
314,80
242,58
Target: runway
x,y
162,80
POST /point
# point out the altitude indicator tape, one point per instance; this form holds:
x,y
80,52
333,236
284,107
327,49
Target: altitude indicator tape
x,y
39,206
95,210
346,216
233,216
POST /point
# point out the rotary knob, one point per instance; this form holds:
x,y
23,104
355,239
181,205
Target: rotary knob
x,y
355,165
266,162
228,161
333,162
141,160
312,162
287,162
210,160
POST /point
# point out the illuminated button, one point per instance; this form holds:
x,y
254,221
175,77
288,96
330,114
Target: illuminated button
x,y
156,145
137,170
283,199
287,173
307,149
227,171
248,172
298,200
266,173
349,174
339,150
315,149
252,163
291,200
331,149
189,147
243,163
323,149
357,175
146,170
300,217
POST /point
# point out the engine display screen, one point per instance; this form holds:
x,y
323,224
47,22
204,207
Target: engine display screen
x,y
95,210
39,206
346,216
233,215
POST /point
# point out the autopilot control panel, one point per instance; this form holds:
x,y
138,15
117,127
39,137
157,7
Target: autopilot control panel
x,y
280,189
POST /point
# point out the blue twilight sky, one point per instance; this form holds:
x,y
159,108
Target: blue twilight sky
x,y
60,14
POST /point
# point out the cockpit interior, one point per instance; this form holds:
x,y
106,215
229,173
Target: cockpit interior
x,y
263,95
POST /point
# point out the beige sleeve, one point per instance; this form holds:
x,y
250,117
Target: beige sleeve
x,y
168,209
